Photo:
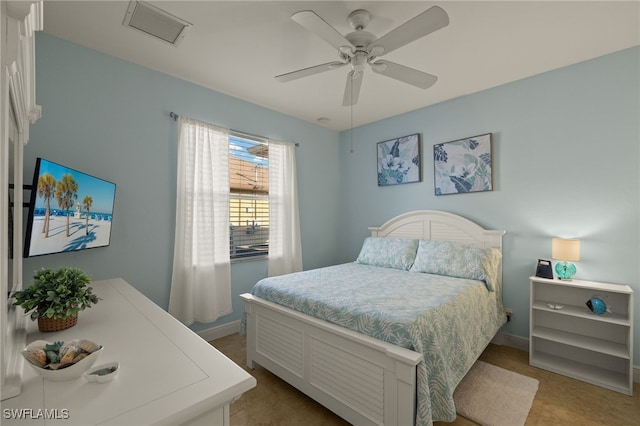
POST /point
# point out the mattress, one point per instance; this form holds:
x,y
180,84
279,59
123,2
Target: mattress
x,y
448,320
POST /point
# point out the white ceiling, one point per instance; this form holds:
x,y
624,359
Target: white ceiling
x,y
237,47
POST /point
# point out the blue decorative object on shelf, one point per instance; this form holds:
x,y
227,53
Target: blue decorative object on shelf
x,y
565,270
597,305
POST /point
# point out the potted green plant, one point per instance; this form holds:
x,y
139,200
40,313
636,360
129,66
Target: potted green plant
x,y
55,297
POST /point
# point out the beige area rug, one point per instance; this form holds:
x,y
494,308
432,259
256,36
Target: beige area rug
x,y
493,396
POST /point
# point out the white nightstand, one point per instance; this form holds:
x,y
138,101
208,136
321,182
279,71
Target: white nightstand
x,y
575,342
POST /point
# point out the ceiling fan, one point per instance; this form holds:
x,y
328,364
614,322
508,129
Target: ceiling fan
x,y
360,47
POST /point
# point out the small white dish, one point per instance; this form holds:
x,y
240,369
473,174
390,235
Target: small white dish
x,y
102,373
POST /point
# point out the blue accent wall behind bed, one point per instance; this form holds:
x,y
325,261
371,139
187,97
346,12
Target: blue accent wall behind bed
x,y
566,156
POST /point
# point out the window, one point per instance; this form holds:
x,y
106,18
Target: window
x,y
249,196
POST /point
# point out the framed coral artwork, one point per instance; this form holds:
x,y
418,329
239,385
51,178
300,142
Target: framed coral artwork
x,y
399,160
463,165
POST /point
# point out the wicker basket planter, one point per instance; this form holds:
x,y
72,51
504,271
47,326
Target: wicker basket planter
x,y
56,293
56,324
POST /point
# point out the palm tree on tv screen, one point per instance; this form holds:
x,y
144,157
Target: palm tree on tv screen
x,y
46,189
86,204
66,194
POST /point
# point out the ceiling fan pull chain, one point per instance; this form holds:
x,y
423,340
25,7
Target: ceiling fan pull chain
x,y
351,151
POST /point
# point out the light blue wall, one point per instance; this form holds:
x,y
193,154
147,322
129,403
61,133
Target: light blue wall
x,y
566,158
110,118
565,151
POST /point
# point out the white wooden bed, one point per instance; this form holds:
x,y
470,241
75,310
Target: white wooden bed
x,y
362,379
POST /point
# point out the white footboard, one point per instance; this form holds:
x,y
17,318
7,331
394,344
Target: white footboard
x,y
363,380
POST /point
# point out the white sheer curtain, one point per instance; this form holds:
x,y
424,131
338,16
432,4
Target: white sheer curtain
x,y
201,281
285,248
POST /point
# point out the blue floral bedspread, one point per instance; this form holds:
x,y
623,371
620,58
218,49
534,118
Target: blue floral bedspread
x,y
449,320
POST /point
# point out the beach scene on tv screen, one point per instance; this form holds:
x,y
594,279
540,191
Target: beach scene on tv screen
x,y
72,211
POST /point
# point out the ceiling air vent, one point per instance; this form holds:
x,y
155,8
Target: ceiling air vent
x,y
151,20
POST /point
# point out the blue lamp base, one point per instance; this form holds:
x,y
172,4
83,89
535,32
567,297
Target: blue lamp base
x,y
565,270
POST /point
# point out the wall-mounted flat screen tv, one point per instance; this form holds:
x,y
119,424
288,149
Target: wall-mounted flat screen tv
x,y
69,210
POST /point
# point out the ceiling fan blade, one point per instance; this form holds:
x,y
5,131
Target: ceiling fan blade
x,y
407,75
352,88
427,22
294,75
312,22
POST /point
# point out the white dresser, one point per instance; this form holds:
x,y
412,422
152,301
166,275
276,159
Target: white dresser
x,y
168,374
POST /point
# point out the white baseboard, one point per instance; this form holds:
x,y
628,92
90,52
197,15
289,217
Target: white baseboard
x,y
214,333
522,343
512,340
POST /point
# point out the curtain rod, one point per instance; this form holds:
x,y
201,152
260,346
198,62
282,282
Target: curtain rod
x,y
175,118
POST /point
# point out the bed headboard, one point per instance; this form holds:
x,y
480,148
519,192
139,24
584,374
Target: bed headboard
x,y
440,225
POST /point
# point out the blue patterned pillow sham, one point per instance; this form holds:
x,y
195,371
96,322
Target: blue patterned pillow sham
x,y
458,260
397,253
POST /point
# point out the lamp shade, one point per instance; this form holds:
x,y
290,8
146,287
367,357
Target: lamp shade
x,y
567,250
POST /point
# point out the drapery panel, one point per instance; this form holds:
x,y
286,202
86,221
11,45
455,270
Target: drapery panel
x,y
285,248
201,279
